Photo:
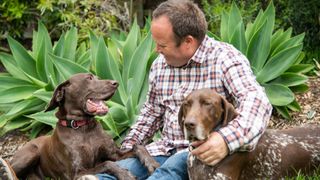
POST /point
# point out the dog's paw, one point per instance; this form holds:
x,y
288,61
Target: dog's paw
x,y
152,166
88,177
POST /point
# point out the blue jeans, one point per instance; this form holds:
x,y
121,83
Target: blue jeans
x,y
172,167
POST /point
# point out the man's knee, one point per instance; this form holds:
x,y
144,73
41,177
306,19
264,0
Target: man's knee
x,y
177,160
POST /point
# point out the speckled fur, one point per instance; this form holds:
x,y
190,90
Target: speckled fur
x,y
279,154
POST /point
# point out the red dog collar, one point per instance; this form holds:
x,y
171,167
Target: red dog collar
x,y
74,124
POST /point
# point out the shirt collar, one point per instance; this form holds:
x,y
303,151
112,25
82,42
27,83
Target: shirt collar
x,y
200,55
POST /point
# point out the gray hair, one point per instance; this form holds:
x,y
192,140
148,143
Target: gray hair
x,y
186,19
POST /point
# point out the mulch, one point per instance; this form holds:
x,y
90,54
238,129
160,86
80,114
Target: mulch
x,y
310,108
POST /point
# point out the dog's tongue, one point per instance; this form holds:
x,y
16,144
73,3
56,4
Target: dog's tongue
x,y
96,107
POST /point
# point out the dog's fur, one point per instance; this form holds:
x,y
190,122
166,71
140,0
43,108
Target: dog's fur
x,y
278,154
72,152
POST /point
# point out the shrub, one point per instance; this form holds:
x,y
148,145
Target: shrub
x,y
15,17
213,9
302,16
98,16
18,18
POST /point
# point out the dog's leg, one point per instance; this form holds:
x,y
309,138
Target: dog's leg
x,y
140,152
109,167
145,158
26,159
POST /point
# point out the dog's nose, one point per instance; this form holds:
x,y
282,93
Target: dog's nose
x,y
190,124
114,83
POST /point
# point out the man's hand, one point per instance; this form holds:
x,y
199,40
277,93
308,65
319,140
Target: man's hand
x,y
212,151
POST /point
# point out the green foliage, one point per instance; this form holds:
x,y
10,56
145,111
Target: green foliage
x,y
317,67
18,18
214,8
302,16
15,16
32,76
98,16
275,57
301,176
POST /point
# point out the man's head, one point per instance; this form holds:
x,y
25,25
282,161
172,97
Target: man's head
x,y
178,27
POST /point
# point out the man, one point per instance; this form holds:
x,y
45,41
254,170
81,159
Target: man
x,y
188,60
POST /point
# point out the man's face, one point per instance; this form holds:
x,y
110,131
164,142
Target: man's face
x,y
163,36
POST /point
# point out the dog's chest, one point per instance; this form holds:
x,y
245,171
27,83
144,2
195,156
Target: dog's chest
x,y
83,149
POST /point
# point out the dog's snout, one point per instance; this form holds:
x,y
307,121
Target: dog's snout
x,y
190,124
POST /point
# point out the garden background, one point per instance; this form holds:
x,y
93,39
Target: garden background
x,y
43,42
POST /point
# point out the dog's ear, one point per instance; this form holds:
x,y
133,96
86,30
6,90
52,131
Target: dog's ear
x,y
229,112
180,116
57,97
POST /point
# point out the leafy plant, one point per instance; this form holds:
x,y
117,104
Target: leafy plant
x,y
32,76
16,17
302,16
275,57
317,68
98,16
213,8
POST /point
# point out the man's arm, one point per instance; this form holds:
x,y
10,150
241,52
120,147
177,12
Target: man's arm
x,y
253,106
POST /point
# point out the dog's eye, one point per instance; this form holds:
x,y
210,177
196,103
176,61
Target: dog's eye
x,y
206,103
187,104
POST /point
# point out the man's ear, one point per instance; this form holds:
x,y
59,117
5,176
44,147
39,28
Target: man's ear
x,y
58,96
229,112
190,41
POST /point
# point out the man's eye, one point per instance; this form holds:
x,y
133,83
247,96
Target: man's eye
x,y
162,46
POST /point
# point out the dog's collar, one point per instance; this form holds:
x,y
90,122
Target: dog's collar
x,y
74,124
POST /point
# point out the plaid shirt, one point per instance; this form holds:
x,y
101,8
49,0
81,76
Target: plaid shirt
x,y
215,65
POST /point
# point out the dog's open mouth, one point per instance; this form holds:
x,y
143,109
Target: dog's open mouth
x,y
96,106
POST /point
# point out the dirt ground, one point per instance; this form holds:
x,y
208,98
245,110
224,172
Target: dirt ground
x,y
310,113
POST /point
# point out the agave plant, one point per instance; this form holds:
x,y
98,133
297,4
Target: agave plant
x,y
275,57
31,76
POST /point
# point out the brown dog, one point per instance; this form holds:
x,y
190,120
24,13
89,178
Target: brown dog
x,y
278,154
79,144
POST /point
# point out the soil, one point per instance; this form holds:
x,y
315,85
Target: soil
x,y
310,113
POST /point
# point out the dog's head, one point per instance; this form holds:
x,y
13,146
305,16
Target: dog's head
x,y
82,95
202,111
